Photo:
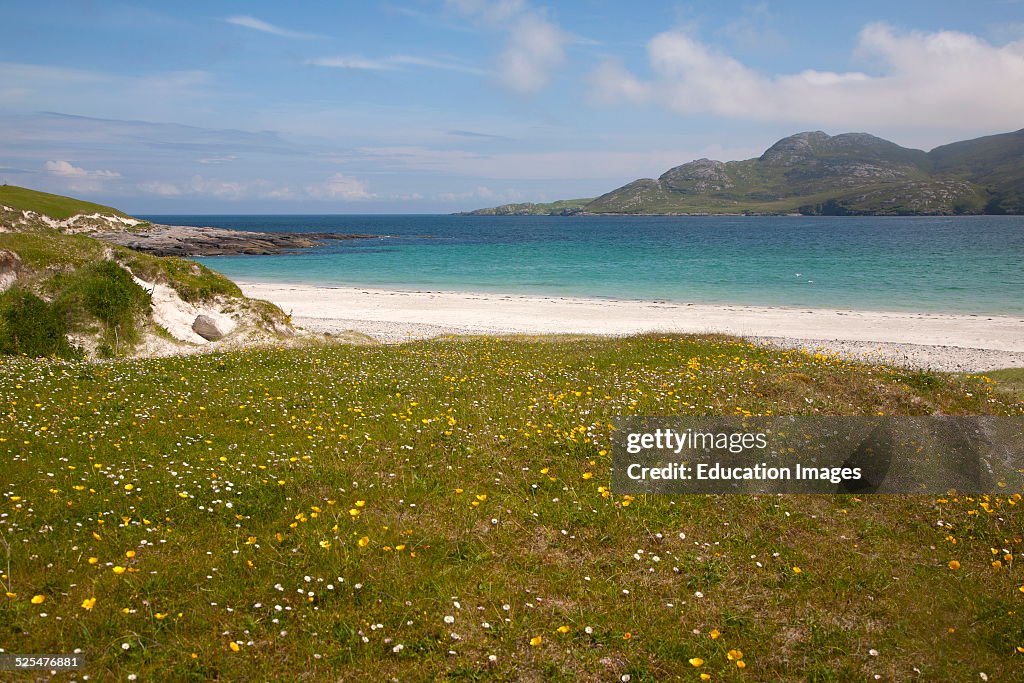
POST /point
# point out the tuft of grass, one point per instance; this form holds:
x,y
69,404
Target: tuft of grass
x,y
193,281
1010,381
52,205
106,292
33,327
273,514
53,251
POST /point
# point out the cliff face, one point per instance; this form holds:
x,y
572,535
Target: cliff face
x,y
849,174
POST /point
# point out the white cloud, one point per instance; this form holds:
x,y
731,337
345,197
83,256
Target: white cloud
x,y
535,48
225,189
201,186
65,169
754,29
218,160
429,63
534,45
605,165
490,11
941,79
392,63
160,188
361,63
340,186
483,192
255,24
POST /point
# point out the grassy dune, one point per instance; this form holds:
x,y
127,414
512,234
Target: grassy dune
x,y
52,205
440,510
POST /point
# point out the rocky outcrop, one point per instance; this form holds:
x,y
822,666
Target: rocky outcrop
x,y
179,240
701,176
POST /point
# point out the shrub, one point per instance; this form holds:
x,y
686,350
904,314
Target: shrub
x,y
32,326
105,291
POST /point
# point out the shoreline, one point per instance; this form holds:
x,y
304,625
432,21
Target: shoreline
x,y
939,341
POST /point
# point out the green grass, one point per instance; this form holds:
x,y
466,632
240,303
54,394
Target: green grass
x,y
52,205
104,291
54,252
1010,381
318,507
41,251
194,282
33,327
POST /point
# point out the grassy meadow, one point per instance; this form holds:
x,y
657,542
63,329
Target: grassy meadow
x,y
440,510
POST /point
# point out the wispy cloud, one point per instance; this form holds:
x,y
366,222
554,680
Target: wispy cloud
x,y
218,160
36,87
485,193
202,186
78,178
340,186
755,29
255,24
355,63
475,134
66,170
934,80
393,63
534,44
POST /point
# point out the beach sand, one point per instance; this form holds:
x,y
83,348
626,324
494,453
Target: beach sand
x,y
948,342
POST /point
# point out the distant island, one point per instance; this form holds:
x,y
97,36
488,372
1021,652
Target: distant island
x,y
815,174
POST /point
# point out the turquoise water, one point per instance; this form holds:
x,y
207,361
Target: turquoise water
x,y
936,264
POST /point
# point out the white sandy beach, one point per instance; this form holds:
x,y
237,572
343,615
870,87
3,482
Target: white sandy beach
x,y
940,341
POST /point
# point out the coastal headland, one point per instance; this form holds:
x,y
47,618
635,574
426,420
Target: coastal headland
x,y
183,240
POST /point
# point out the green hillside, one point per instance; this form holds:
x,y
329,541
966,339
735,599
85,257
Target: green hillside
x,y
52,205
563,207
995,162
815,173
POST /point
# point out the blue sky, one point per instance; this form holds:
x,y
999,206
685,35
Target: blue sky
x,y
436,106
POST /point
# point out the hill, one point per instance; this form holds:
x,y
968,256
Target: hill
x,y
815,173
53,205
65,293
563,207
24,210
995,162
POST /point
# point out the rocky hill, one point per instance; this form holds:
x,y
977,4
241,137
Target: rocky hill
x,y
818,174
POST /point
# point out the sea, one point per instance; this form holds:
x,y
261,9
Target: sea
x,y
972,264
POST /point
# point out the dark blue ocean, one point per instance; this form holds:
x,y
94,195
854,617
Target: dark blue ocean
x,y
938,264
